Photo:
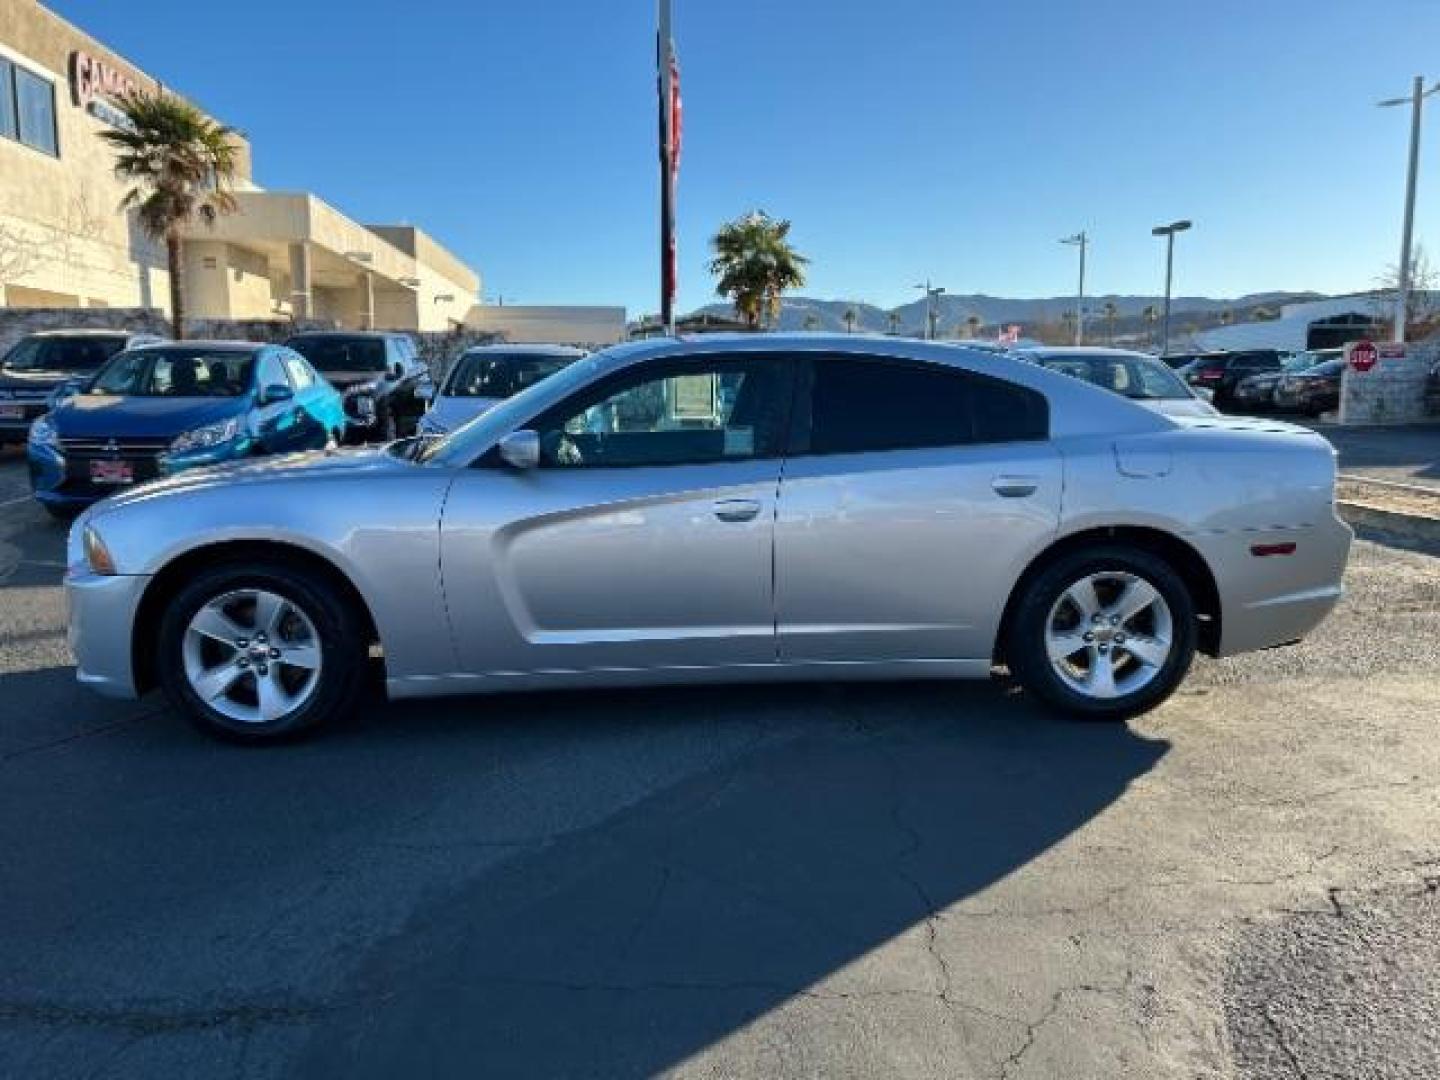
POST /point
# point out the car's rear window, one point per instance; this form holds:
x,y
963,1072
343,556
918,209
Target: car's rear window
x,y
341,353
63,354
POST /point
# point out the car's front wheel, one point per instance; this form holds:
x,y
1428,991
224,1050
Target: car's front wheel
x,y
1105,632
260,652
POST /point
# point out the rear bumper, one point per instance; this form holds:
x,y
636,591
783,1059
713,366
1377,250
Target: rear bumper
x,y
1277,599
102,620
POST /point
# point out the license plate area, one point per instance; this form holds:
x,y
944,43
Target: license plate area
x,y
112,472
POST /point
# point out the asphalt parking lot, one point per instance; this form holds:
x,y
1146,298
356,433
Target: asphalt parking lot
x,y
864,881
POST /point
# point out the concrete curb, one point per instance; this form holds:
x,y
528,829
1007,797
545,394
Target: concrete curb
x,y
1416,527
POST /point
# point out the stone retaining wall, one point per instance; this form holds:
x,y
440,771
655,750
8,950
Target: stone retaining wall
x,y
1391,392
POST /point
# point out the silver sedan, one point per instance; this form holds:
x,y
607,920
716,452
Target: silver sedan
x,y
754,507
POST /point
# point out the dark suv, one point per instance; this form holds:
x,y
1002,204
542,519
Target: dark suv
x,y
40,364
380,376
1221,373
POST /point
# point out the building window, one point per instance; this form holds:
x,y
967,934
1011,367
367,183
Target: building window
x,y
8,126
27,108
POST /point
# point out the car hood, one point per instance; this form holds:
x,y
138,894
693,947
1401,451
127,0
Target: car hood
x,y
450,412
90,416
36,382
312,465
344,380
1179,406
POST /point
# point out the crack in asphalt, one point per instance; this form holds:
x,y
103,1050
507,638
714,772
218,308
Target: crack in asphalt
x,y
160,1020
78,736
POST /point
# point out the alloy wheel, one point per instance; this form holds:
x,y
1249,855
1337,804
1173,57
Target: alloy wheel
x,y
252,655
1109,634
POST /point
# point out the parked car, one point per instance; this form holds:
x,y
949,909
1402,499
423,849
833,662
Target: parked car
x,y
1432,390
39,364
1180,360
722,508
156,411
1138,376
1256,393
380,375
486,375
1313,391
1221,373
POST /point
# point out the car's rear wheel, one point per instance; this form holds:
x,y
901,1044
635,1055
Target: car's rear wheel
x,y
1105,632
260,652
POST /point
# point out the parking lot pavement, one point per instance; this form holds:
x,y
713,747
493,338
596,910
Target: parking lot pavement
x,y
864,881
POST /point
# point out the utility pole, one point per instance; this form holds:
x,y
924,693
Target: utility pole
x,y
1168,231
1415,99
1082,241
664,56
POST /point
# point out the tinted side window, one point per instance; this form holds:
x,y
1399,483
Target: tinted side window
x,y
299,371
272,372
860,406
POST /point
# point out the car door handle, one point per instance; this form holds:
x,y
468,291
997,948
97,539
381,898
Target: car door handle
x,y
1015,487
737,509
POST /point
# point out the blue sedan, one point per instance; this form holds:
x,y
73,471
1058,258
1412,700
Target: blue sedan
x,y
154,411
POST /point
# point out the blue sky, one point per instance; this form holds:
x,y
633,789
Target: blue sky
x,y
955,139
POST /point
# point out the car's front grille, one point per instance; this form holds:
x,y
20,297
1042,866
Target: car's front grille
x,y
117,447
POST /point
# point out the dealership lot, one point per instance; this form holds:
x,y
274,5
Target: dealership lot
x,y
918,880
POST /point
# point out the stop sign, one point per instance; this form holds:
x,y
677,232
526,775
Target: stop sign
x,y
1363,355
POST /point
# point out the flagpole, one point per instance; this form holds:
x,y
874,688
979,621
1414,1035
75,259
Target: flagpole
x,y
667,171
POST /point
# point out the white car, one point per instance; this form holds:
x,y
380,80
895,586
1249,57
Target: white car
x,y
1138,376
485,376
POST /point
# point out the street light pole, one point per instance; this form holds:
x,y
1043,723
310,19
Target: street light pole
x,y
1082,241
1415,100
932,293
1168,231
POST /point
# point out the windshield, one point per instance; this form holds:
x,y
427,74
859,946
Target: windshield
x,y
341,354
175,372
501,375
1137,377
62,354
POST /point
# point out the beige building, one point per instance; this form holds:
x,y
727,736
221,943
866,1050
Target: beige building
x,y
63,243
580,325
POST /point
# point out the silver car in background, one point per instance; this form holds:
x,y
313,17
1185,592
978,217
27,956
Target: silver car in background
x,y
726,508
486,375
1144,379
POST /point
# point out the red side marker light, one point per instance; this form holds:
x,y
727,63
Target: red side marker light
x,y
1273,549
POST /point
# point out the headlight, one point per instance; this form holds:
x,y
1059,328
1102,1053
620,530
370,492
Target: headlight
x,y
42,433
202,438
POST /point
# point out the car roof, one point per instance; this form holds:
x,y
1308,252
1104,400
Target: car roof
x,y
90,332
1059,352
526,350
378,335
216,345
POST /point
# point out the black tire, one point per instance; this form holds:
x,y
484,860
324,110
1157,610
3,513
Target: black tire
x,y
1026,647
343,649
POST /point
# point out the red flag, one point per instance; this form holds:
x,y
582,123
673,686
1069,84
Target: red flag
x,y
676,127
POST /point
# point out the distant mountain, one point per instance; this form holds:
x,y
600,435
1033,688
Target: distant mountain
x,y
1029,314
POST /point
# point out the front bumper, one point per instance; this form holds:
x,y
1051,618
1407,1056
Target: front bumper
x,y
101,631
52,484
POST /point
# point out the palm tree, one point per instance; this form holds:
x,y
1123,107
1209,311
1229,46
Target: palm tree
x,y
812,322
182,164
1110,312
850,316
894,320
973,324
755,264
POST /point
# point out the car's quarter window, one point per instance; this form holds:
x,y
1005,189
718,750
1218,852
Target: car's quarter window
x,y
672,413
300,376
870,404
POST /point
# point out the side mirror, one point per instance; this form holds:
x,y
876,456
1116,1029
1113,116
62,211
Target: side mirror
x,y
275,393
521,449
